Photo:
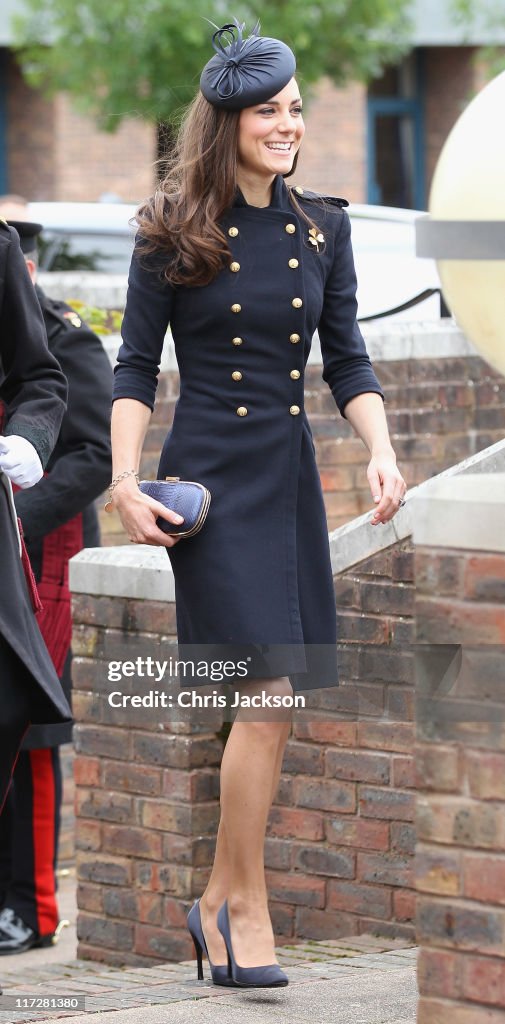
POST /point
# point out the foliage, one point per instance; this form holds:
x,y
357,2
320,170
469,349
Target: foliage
x,y
122,58
490,15
103,321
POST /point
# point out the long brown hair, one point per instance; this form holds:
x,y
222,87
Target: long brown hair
x,y
181,218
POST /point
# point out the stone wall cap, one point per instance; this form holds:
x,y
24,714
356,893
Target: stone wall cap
x,y
465,513
108,572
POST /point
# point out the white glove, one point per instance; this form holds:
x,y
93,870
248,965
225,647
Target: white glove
x,y
19,461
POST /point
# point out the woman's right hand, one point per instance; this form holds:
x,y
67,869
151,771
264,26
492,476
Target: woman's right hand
x,y
138,513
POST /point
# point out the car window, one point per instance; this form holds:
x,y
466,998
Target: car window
x,y
105,253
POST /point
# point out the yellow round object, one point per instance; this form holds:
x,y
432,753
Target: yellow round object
x,y
236,375
468,185
233,232
237,341
294,338
293,264
236,308
290,228
299,189
297,303
235,267
294,410
241,411
295,375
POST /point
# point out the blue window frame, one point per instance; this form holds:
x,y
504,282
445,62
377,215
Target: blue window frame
x,y
395,142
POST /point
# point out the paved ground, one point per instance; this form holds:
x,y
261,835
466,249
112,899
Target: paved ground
x,y
361,980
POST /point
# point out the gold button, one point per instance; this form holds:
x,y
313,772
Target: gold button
x,y
236,308
237,375
294,338
237,341
235,267
290,228
293,264
297,303
299,189
295,375
241,411
294,410
233,232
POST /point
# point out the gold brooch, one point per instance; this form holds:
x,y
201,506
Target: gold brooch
x,y
315,237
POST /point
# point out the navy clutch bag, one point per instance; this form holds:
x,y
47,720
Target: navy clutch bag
x,y
186,497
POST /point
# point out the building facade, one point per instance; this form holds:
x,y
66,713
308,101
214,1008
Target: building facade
x,y
376,144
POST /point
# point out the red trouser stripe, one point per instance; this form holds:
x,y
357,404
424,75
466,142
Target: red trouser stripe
x,y
43,840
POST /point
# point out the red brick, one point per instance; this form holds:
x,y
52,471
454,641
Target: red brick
x,y
357,766
296,823
356,898
376,802
176,751
174,945
450,621
197,785
171,878
438,870
324,860
99,932
485,578
174,912
311,923
90,897
483,980
404,905
358,832
326,795
385,869
441,1011
484,877
403,775
105,805
278,853
87,771
104,869
303,759
301,890
438,767
88,835
395,736
133,842
363,628
486,774
439,972
459,924
132,778
327,731
464,822
101,741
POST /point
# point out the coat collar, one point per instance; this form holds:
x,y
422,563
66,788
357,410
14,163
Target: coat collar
x,y
280,197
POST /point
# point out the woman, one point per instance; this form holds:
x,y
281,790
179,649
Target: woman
x,y
245,269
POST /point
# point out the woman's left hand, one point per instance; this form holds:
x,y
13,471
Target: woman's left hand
x,y
386,484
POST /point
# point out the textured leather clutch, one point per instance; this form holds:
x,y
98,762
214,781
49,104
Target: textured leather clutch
x,y
186,497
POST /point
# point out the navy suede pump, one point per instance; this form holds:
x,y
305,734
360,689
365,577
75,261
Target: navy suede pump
x,y
269,976
220,973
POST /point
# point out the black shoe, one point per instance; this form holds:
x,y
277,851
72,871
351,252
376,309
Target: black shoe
x,y
16,936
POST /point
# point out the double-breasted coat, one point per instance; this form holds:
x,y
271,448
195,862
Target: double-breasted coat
x,y
257,578
79,467
33,393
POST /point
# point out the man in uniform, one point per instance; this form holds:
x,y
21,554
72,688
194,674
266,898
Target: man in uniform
x,y
33,394
59,519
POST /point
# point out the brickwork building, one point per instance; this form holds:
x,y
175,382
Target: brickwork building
x,y
375,144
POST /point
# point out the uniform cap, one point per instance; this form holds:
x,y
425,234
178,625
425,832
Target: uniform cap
x,y
244,72
28,233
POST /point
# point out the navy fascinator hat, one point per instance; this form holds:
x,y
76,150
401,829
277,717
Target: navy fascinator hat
x,y
244,72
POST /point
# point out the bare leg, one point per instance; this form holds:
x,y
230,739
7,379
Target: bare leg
x,y
250,773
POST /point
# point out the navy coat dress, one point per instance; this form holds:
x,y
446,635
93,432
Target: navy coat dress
x,y
256,581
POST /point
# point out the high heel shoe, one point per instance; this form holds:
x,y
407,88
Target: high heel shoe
x,y
269,976
219,972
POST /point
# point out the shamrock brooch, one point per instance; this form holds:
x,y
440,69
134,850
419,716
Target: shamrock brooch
x,y
315,237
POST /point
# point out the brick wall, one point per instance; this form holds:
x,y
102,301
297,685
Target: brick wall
x,y
460,770
452,80
439,411
333,154
340,838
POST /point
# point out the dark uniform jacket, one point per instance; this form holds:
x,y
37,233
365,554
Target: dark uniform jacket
x,y
258,575
79,468
33,393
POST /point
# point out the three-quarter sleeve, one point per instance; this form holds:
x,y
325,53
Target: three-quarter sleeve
x,y
147,315
346,364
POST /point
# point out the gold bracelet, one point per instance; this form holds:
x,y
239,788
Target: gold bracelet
x,y
109,507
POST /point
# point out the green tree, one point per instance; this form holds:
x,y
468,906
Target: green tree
x,y
490,16
119,58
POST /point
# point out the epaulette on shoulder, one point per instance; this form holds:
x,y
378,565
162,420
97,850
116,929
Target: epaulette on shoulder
x,y
303,193
4,226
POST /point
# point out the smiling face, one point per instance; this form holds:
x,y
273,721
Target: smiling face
x,y
270,134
